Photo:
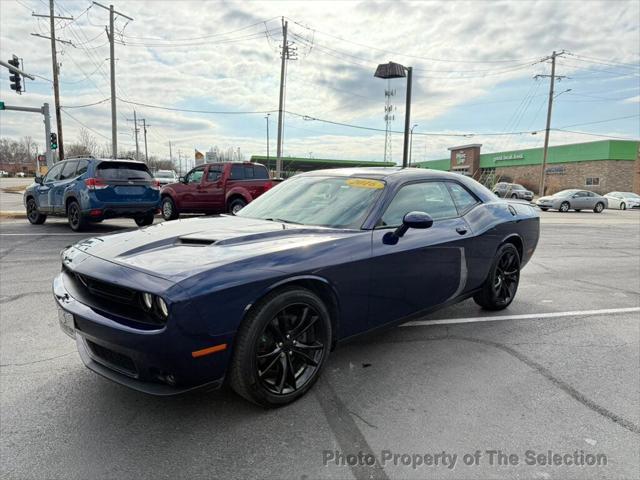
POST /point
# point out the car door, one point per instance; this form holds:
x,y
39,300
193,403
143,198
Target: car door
x,y
187,192
44,191
426,267
65,180
210,192
579,200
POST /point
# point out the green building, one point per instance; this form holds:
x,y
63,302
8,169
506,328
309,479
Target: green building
x,y
602,166
293,165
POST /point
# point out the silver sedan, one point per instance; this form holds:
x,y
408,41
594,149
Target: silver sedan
x,y
573,200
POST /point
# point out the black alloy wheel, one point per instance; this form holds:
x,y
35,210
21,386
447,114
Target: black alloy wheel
x,y
33,215
281,348
74,215
564,207
501,285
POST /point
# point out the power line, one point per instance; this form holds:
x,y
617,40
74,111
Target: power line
x,y
593,134
215,112
601,121
87,105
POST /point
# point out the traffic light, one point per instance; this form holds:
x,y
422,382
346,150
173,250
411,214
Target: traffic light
x,y
54,141
14,78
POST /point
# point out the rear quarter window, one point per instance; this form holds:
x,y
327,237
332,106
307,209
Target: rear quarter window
x,y
260,172
237,172
123,171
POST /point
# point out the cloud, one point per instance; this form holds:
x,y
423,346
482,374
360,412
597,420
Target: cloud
x,y
200,57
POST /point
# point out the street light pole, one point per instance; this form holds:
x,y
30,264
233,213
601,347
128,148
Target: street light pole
x,y
411,144
395,70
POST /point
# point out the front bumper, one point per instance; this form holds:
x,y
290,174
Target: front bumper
x,y
154,361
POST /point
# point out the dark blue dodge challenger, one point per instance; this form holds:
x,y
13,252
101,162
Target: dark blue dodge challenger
x,y
261,298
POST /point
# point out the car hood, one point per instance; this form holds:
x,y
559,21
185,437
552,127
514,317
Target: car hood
x,y
181,248
549,197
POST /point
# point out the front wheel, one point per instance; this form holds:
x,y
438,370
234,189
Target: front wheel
x,y
169,210
544,209
236,205
515,195
281,348
75,218
144,220
33,215
499,289
564,207
599,207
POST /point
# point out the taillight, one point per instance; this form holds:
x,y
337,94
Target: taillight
x,y
95,184
155,185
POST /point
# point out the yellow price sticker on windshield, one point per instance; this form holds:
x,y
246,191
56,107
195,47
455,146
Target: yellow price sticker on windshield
x,y
365,183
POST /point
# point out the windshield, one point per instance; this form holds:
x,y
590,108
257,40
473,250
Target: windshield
x,y
517,187
630,195
338,202
565,193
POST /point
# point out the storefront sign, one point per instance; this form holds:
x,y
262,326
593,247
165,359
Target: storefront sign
x,y
555,170
461,157
509,156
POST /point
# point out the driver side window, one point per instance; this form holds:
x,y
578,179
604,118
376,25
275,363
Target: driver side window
x,y
195,176
429,197
54,173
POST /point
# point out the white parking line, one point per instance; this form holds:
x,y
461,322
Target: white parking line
x,y
527,316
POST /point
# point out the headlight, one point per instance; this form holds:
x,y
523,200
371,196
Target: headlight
x,y
147,301
162,307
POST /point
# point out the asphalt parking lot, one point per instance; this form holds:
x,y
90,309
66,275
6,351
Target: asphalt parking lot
x,y
557,371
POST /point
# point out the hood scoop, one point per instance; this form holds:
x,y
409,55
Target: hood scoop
x,y
196,241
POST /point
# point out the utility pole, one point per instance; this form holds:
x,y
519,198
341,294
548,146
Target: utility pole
x,y
267,119
111,36
135,132
56,71
170,153
288,53
549,109
144,129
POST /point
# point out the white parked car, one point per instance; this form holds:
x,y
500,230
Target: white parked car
x,y
20,174
4,173
165,177
623,200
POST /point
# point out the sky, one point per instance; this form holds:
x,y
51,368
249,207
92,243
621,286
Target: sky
x,y
474,67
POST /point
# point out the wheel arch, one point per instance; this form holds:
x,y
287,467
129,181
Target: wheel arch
x,y
238,192
319,286
68,199
517,242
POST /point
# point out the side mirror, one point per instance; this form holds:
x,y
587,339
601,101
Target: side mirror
x,y
419,220
38,179
182,180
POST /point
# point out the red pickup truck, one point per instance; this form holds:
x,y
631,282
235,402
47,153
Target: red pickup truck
x,y
215,188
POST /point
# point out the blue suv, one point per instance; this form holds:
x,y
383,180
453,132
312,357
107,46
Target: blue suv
x,y
90,190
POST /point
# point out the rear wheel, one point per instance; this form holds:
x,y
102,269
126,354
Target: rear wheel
x,y
623,206
564,207
281,348
499,289
236,205
599,207
578,210
33,215
544,209
144,220
74,215
169,210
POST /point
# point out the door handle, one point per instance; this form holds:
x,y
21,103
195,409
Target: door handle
x,y
461,230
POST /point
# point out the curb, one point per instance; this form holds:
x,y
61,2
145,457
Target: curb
x,y
12,214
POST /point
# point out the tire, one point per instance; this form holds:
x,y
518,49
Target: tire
x,y
623,206
599,207
33,215
544,209
578,210
270,337
144,220
75,218
169,210
515,195
501,285
236,205
564,207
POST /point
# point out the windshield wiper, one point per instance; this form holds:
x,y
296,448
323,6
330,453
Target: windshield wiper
x,y
282,221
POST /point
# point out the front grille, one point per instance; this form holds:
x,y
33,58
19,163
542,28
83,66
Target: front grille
x,y
113,360
109,298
